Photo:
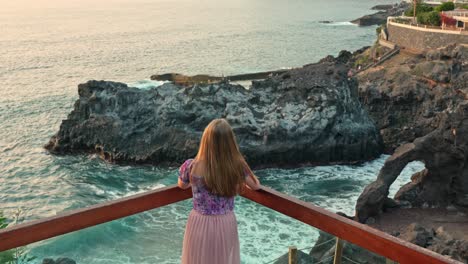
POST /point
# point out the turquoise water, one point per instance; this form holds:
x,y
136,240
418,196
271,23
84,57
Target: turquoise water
x,y
47,47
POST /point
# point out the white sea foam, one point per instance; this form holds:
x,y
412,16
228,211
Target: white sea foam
x,y
343,23
146,84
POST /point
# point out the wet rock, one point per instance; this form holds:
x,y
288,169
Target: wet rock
x,y
311,117
58,261
65,261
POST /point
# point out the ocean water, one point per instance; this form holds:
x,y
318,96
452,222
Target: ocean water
x,y
47,47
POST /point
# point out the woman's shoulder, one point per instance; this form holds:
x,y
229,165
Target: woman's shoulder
x,y
188,162
187,165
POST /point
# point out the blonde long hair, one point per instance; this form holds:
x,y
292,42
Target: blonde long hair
x,y
224,166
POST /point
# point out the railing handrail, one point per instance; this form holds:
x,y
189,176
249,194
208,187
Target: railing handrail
x,y
349,230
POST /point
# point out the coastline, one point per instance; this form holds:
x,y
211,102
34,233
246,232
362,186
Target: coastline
x,y
127,179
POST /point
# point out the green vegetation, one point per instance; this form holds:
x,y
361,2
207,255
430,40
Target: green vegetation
x,y
420,8
429,18
17,255
5,256
447,6
362,60
427,15
463,6
379,29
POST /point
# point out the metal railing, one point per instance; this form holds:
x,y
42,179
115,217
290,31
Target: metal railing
x,y
339,226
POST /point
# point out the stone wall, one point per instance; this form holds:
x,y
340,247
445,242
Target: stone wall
x,y
423,38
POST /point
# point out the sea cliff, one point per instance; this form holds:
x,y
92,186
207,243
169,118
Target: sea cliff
x,y
308,115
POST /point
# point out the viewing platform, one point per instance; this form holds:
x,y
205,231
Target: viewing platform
x,y
345,230
405,33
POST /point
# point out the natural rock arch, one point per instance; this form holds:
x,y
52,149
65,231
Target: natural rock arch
x,y
444,180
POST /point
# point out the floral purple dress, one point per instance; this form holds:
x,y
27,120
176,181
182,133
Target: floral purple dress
x,y
211,233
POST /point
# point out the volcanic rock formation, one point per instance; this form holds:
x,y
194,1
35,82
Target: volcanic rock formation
x,y
444,181
309,115
405,94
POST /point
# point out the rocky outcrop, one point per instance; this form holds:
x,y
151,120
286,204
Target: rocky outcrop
x,y
405,94
420,106
382,7
444,181
381,16
309,115
438,241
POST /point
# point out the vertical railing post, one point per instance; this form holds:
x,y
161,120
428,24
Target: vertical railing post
x,y
338,251
292,255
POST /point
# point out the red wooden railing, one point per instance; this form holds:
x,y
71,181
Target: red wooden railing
x,y
351,231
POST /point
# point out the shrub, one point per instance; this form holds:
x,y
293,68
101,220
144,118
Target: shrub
x,y
379,29
17,255
429,18
6,256
447,6
420,8
362,60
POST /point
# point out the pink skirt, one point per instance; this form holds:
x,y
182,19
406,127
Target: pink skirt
x,y
211,239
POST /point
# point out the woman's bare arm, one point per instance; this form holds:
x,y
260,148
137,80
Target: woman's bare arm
x,y
252,182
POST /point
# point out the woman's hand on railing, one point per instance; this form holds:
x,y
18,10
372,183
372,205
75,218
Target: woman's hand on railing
x,y
252,182
182,184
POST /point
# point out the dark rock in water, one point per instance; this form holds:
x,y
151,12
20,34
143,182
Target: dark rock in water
x,y
312,116
64,261
58,261
443,182
381,16
373,19
383,7
325,22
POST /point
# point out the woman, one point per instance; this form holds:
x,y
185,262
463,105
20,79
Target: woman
x,y
217,174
